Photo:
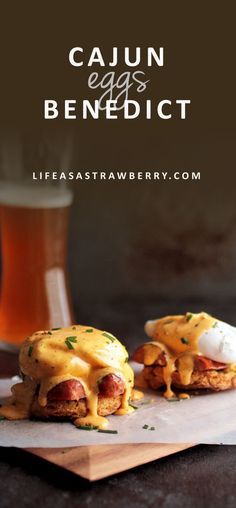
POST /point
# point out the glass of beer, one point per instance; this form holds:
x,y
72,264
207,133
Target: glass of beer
x,y
35,292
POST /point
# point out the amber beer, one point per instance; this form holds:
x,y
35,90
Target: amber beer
x,y
34,289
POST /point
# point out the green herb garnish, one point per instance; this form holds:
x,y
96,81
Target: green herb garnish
x,y
109,336
49,333
69,341
188,316
108,431
184,340
87,427
54,329
30,351
134,407
89,330
126,359
2,418
145,426
69,345
215,324
152,428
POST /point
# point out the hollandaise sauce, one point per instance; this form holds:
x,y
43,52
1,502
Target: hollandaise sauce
x,y
86,354
177,338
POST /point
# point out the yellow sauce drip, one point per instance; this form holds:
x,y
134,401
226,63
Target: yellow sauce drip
x,y
19,406
185,368
79,352
177,337
151,354
125,408
167,376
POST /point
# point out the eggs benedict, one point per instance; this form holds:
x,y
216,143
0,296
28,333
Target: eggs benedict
x,y
79,373
190,351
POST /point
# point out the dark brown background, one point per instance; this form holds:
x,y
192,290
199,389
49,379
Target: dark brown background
x,y
135,250
133,243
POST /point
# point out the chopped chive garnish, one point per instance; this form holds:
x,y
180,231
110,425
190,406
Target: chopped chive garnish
x,y
49,333
132,405
54,329
86,427
188,317
30,351
152,428
145,426
184,340
108,431
69,341
2,417
109,336
69,345
215,324
89,330
126,359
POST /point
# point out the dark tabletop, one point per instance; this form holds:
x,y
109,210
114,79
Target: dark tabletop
x,y
200,477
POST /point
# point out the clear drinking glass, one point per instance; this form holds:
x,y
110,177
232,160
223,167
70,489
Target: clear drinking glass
x,y
34,220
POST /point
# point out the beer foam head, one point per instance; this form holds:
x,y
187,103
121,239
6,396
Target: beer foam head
x,y
30,196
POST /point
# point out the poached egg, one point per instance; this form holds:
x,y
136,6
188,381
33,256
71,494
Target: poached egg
x,y
216,340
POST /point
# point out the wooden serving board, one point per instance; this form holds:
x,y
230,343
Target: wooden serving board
x,y
97,462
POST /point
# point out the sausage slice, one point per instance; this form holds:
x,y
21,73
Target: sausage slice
x,y
202,363
111,386
67,390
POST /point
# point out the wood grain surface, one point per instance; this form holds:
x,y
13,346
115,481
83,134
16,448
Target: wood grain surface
x,y
97,462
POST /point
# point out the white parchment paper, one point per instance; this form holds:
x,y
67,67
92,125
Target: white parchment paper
x,y
208,418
